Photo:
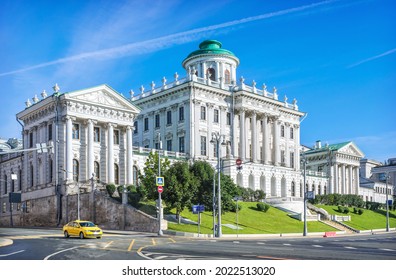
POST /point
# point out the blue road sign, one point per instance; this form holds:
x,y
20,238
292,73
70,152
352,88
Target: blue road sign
x,y
196,209
160,181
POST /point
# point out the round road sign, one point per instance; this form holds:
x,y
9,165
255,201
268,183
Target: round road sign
x,y
238,161
160,189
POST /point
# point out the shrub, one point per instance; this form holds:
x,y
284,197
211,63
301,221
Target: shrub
x,y
110,189
355,210
262,206
340,209
346,210
233,207
360,211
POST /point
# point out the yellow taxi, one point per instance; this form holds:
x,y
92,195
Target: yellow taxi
x,y
82,229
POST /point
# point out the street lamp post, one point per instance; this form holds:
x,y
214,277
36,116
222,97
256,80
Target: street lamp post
x,y
160,233
214,204
304,160
216,139
387,205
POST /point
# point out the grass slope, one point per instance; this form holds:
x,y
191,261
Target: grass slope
x,y
251,221
367,221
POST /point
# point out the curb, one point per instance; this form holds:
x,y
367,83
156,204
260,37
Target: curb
x,y
5,242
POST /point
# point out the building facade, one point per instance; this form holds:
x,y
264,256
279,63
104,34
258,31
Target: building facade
x,y
80,140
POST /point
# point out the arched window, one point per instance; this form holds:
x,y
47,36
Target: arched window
x,y
97,170
282,131
116,174
135,176
211,74
51,170
76,170
293,189
313,188
324,190
227,77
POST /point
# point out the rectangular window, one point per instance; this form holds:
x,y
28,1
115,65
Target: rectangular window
x,y
181,113
203,113
181,145
157,146
291,133
157,121
135,127
49,132
228,118
292,159
216,116
214,150
5,184
282,131
4,207
76,131
203,145
28,206
146,124
31,140
96,134
116,137
282,157
169,145
169,117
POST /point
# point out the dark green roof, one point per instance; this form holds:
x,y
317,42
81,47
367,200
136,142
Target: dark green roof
x,y
332,147
211,47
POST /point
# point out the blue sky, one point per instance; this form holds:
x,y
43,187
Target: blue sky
x,y
337,58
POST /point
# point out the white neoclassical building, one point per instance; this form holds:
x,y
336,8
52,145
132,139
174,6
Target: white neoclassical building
x,y
253,124
98,133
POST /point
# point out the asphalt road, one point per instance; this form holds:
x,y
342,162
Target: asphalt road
x,y
49,244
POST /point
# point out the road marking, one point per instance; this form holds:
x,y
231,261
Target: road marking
x,y
390,250
13,253
235,242
317,246
130,245
260,243
212,240
108,244
171,239
271,258
61,251
160,257
153,241
347,247
286,244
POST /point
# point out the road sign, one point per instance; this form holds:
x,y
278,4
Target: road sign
x,y
310,195
160,189
238,161
198,208
160,181
14,197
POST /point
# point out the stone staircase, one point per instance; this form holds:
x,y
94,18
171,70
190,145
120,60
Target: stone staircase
x,y
338,226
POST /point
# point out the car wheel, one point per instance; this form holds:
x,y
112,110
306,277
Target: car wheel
x,y
81,235
66,234
99,237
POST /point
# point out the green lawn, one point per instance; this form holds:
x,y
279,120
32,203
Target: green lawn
x,y
251,220
367,221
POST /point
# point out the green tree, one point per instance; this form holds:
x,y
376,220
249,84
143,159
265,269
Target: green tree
x,y
228,191
148,188
180,187
203,172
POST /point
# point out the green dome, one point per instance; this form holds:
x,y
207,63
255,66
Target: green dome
x,y
210,47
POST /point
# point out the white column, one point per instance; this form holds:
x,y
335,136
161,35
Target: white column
x,y
129,156
343,179
90,141
110,151
287,152
296,132
351,186
242,135
209,122
276,142
196,135
266,151
254,136
69,151
234,140
356,189
335,180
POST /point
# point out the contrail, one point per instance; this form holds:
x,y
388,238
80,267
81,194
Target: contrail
x,y
165,41
372,58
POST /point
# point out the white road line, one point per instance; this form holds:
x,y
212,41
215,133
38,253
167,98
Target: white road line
x,y
235,241
13,253
49,256
286,244
347,247
390,250
260,243
317,246
160,257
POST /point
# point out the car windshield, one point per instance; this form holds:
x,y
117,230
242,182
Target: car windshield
x,y
87,224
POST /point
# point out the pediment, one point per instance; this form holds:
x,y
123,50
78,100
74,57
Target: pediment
x,y
103,96
351,149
